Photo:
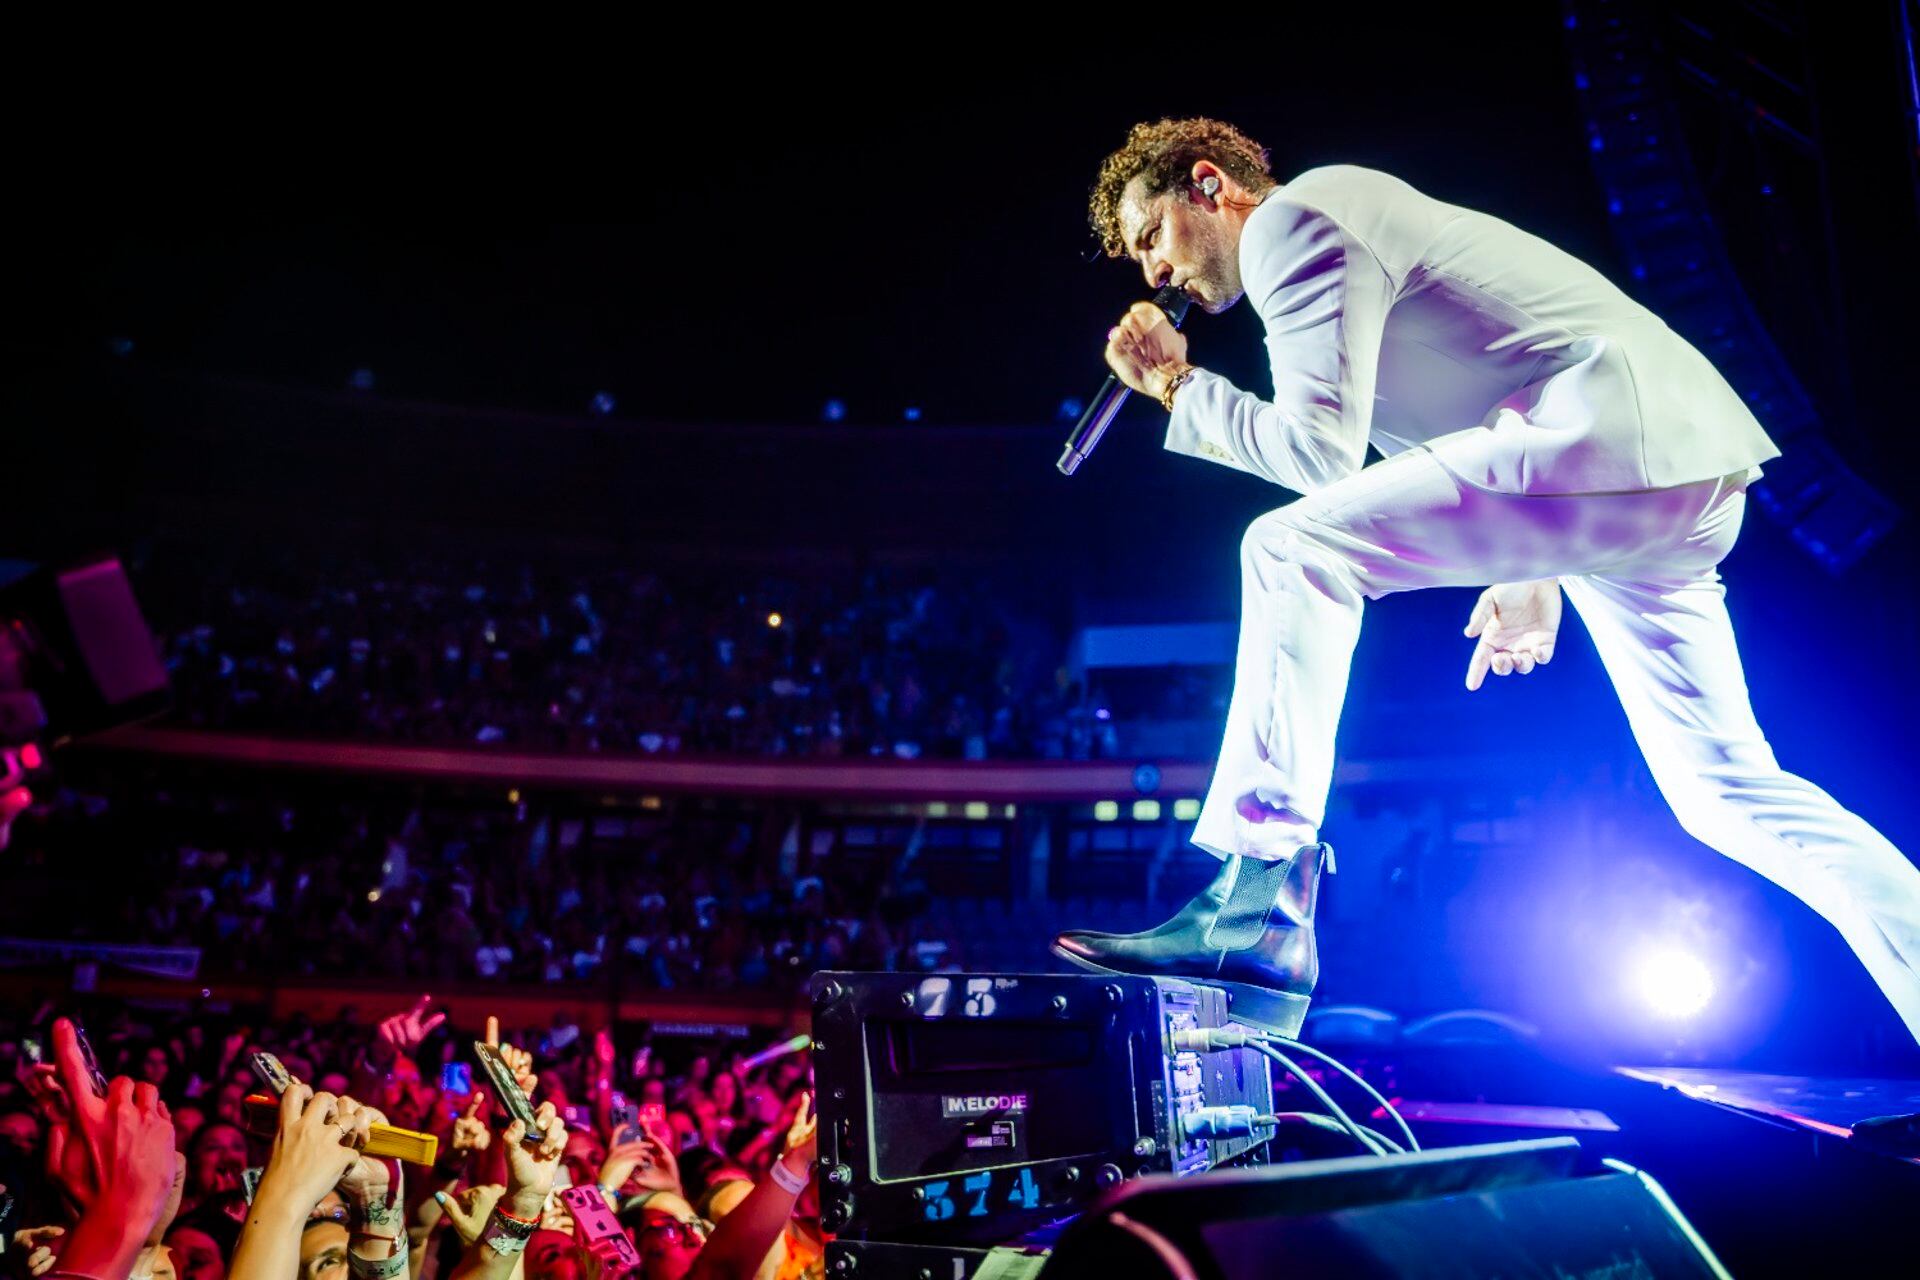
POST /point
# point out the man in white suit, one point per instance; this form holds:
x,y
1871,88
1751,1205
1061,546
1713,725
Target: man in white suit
x,y
1541,431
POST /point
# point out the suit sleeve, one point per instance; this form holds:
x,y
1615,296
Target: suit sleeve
x,y
1323,298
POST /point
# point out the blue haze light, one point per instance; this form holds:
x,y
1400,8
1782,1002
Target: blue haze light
x,y
361,379
1674,984
913,413
1070,410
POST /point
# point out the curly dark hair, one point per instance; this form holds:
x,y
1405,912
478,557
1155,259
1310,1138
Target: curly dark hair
x,y
1164,153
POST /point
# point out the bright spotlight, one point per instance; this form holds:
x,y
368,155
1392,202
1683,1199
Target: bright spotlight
x,y
1673,984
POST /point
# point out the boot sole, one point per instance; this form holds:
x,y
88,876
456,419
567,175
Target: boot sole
x,y
1280,1012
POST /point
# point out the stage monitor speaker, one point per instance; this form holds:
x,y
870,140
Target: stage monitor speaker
x,y
971,1108
1512,1209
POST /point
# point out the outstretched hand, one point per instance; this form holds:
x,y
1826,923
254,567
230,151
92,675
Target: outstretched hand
x,y
803,1135
111,1155
469,1208
401,1034
622,1159
530,1167
518,1060
1517,623
313,1147
659,1167
469,1130
37,1244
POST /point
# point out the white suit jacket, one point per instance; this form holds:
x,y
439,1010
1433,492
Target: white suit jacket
x,y
1396,318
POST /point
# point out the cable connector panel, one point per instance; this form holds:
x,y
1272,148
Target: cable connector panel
x,y
1206,1123
1210,1039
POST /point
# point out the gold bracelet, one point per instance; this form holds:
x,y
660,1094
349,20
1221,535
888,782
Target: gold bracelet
x,y
1173,384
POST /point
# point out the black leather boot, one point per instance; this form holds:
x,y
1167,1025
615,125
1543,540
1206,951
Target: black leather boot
x,y
1250,931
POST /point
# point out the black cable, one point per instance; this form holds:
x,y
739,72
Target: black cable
x,y
1413,1143
1321,1096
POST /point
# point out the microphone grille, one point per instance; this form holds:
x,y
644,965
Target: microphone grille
x,y
1174,302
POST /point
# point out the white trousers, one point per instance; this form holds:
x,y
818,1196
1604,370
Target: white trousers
x,y
1640,568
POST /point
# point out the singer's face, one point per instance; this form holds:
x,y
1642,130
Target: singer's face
x,y
1177,241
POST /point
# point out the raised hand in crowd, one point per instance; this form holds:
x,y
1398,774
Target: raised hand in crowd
x,y
624,1159
311,1154
468,1137
470,1134
403,1033
518,1060
742,1239
111,1156
658,1168
469,1208
373,1190
803,1135
531,1167
318,1173
37,1244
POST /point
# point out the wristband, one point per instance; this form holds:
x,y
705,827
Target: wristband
x,y
792,1183
382,1268
514,1217
505,1234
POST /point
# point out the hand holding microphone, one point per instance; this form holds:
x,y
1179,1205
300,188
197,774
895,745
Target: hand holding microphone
x,y
1145,350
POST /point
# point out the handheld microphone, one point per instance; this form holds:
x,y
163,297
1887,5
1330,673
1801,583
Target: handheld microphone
x,y
1113,393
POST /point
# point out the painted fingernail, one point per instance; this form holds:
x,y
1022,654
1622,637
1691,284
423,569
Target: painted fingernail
x,y
441,1196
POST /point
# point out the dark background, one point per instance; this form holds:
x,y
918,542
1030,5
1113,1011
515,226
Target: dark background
x,y
725,231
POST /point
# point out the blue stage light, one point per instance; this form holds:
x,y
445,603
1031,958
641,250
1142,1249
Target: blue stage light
x,y
835,411
1070,410
1674,984
602,402
361,380
913,413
